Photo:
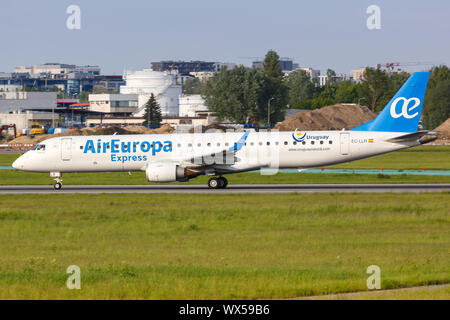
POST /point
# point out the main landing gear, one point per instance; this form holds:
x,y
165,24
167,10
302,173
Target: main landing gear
x,y
218,183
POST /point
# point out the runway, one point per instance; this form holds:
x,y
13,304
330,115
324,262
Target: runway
x,y
248,188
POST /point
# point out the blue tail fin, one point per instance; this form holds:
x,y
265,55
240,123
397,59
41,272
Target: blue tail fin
x,y
402,113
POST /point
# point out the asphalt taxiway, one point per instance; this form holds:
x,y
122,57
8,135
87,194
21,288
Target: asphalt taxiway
x,y
238,188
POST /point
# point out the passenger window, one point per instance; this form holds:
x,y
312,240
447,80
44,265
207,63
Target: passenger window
x,y
312,142
330,142
295,143
285,143
268,143
304,142
321,142
41,147
81,147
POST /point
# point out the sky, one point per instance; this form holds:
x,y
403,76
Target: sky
x,y
128,35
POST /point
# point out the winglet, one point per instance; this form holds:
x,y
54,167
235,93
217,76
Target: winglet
x,y
240,143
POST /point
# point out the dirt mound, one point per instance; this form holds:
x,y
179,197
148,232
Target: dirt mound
x,y
210,128
143,130
334,117
94,131
42,137
164,129
443,132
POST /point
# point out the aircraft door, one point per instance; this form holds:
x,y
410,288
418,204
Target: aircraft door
x,y
66,149
345,143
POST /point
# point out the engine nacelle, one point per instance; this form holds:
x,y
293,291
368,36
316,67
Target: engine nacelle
x,y
164,172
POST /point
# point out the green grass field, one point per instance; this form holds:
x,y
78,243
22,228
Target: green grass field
x,y
220,246
439,292
429,157
417,158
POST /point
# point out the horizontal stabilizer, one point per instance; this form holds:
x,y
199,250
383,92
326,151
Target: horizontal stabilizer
x,y
415,136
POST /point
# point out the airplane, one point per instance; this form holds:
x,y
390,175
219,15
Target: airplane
x,y
183,156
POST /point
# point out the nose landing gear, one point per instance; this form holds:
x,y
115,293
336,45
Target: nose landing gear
x,y
58,183
57,186
217,183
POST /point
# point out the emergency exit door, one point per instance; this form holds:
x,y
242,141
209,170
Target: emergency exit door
x,y
345,143
66,149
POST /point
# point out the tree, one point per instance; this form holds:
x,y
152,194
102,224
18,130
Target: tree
x,y
54,89
152,115
299,86
374,85
84,96
330,76
32,89
103,90
346,92
234,94
271,65
394,82
436,107
274,97
193,86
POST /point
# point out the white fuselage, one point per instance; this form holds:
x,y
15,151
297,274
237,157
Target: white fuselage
x,y
261,150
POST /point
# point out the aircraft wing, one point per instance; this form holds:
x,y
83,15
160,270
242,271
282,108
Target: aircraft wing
x,y
224,157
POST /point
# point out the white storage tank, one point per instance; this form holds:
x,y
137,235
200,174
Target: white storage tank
x,y
162,84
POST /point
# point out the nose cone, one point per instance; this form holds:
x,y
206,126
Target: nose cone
x,y
18,164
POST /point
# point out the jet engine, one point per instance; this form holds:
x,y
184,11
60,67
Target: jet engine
x,y
165,172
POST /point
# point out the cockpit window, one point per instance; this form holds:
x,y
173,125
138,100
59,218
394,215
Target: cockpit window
x,y
39,147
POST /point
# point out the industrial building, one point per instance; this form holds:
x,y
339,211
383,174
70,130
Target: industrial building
x,y
71,79
114,104
323,80
357,74
58,69
25,120
190,105
33,101
286,64
312,73
186,67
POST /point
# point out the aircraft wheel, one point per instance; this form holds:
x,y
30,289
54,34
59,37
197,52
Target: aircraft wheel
x,y
57,186
213,183
223,182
